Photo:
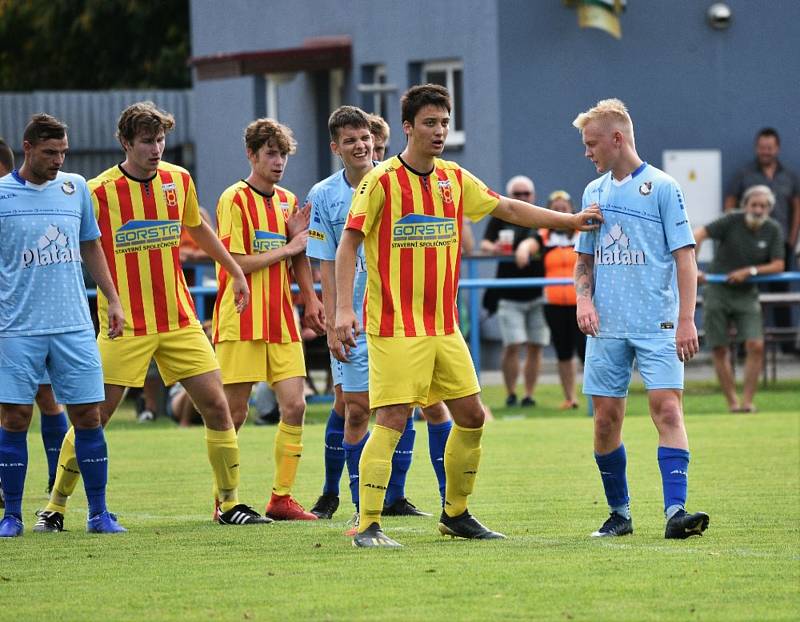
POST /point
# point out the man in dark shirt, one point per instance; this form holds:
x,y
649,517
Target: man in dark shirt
x,y
520,311
768,171
749,242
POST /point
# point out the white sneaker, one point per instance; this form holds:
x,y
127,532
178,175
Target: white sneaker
x,y
145,416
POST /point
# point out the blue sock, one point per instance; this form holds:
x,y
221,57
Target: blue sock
x,y
401,462
54,427
438,434
13,467
334,453
612,471
352,454
674,466
92,454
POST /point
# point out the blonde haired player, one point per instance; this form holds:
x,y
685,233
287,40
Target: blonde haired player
x,y
636,284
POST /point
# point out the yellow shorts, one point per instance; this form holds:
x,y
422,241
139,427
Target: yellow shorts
x,y
419,370
256,361
179,354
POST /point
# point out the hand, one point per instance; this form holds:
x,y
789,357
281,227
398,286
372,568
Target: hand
x,y
336,348
347,328
116,319
314,315
522,256
298,221
686,342
297,244
738,276
588,320
591,213
701,278
241,292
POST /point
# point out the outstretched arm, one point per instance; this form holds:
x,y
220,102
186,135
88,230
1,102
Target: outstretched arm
x,y
535,217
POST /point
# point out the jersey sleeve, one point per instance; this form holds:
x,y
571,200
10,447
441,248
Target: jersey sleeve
x,y
89,229
478,199
191,208
674,218
231,223
367,205
321,236
586,239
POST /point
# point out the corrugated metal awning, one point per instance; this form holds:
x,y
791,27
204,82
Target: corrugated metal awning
x,y
317,54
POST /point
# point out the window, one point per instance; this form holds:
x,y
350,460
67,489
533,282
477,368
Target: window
x,y
450,75
375,89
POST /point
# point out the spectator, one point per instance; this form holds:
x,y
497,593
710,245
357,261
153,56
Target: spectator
x,y
558,249
6,158
520,311
767,170
749,242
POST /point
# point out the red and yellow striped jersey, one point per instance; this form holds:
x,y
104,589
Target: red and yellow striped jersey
x,y
140,225
250,222
412,228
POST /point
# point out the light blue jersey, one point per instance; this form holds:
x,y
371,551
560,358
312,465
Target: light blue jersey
x,y
330,203
41,281
635,285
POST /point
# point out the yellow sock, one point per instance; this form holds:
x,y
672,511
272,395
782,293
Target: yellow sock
x,y
374,470
288,449
223,454
67,475
462,455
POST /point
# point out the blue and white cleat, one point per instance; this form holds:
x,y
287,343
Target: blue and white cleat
x,y
105,522
11,527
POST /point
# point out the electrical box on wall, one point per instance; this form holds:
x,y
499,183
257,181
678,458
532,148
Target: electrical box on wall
x,y
699,174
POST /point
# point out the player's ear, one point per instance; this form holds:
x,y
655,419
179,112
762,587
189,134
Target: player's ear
x,y
407,127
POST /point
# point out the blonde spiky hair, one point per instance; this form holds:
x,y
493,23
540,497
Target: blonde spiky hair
x,y
611,112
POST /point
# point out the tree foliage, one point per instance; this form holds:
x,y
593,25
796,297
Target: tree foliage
x,y
93,44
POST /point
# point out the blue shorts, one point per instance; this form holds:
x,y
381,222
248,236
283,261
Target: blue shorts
x,y
609,363
353,376
71,360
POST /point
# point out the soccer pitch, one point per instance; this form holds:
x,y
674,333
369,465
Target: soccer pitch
x,y
538,484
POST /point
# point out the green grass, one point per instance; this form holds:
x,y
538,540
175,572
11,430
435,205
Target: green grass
x,y
538,484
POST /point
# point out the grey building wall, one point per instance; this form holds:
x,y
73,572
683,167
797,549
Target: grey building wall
x,y
528,70
687,86
394,34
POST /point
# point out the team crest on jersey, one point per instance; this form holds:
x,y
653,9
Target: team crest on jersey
x,y
646,188
51,248
285,209
446,191
170,195
144,235
68,188
615,250
421,230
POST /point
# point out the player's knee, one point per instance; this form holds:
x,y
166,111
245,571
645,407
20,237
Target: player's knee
x,y
669,415
436,413
16,417
86,417
292,411
607,423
